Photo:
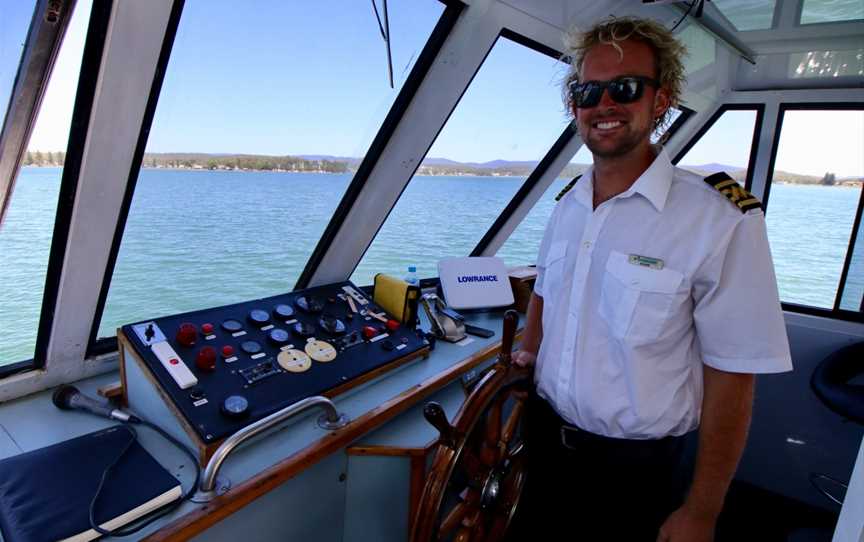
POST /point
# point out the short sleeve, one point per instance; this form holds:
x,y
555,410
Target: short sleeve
x,y
543,253
737,310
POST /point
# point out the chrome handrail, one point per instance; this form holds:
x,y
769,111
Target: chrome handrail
x,y
331,419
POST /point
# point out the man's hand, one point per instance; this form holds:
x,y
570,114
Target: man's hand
x,y
522,358
532,334
687,525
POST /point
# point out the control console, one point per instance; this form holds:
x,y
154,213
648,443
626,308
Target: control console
x,y
223,368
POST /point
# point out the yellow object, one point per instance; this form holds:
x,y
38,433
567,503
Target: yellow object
x,y
397,297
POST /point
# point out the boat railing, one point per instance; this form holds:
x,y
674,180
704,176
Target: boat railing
x,y
331,419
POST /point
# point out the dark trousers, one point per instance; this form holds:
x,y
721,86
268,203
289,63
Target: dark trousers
x,y
588,487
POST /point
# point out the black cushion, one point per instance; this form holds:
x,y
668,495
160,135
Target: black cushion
x,y
830,382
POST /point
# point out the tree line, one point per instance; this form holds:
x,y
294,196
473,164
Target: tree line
x,y
38,158
255,162
208,161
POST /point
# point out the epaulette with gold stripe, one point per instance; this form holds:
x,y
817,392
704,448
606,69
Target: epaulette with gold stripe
x,y
733,191
567,188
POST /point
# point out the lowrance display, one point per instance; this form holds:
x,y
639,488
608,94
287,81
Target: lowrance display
x,y
475,283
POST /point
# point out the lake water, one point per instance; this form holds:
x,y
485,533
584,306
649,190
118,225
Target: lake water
x,y
197,239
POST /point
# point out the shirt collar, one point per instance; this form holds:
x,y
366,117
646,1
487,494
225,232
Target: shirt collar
x,y
653,184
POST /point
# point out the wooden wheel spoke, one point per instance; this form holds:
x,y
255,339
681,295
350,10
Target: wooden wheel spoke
x,y
512,423
473,466
464,535
453,519
489,448
493,421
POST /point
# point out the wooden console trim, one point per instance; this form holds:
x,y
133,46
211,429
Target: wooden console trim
x,y
204,517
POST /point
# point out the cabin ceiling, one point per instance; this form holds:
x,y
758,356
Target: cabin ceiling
x,y
782,32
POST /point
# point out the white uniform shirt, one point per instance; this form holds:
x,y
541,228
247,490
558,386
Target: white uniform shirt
x,y
623,344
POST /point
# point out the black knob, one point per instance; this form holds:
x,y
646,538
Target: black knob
x,y
302,329
309,303
331,324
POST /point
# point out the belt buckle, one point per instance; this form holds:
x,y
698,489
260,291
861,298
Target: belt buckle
x,y
571,429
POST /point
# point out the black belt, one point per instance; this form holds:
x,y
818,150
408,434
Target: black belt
x,y
576,438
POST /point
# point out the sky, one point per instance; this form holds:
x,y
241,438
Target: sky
x,y
274,80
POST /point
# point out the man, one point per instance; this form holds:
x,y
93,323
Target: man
x,y
655,304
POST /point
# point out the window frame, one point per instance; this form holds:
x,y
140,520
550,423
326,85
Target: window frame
x,y
542,166
94,45
775,19
799,12
99,346
563,140
836,312
754,143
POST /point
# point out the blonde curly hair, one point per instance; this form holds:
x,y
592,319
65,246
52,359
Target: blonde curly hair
x,y
668,53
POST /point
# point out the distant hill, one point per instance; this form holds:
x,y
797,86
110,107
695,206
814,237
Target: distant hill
x,y
322,163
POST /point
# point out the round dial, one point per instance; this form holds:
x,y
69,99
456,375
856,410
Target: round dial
x,y
235,406
283,311
250,347
232,326
259,317
294,361
320,350
278,336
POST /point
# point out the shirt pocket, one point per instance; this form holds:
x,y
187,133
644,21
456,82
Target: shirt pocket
x,y
635,301
554,267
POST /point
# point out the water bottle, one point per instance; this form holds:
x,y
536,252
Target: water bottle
x,y
411,278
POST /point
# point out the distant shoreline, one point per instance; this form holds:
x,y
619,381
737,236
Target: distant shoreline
x,y
842,183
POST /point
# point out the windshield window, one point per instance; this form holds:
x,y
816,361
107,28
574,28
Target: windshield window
x,y
814,194
495,137
726,146
25,235
252,147
13,32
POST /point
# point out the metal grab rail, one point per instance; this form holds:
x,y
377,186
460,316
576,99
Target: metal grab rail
x,y
331,419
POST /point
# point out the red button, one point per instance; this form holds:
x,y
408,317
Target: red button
x,y
227,350
187,334
369,332
392,325
206,358
206,329
173,361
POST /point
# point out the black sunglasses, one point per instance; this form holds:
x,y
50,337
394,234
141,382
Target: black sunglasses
x,y
623,90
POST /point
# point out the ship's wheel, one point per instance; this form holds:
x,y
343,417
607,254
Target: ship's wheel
x,y
478,470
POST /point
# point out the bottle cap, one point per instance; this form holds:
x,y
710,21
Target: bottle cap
x,y
412,269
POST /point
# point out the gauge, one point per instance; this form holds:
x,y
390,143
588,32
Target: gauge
x,y
232,326
259,317
284,311
250,347
278,336
235,406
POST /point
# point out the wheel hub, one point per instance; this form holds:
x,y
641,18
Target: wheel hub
x,y
492,488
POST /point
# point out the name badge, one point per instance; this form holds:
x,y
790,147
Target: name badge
x,y
646,261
